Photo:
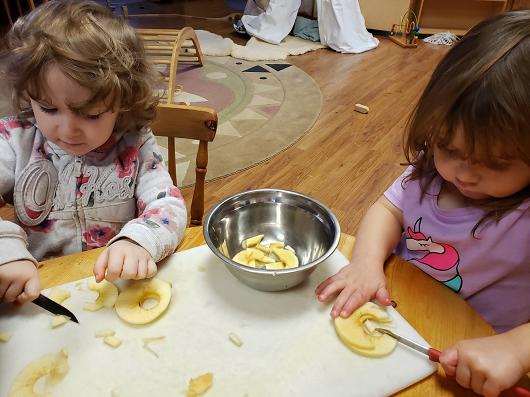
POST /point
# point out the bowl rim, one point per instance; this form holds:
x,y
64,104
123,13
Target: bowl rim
x,y
229,261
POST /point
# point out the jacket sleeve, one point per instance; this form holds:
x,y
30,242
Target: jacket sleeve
x,y
13,239
162,216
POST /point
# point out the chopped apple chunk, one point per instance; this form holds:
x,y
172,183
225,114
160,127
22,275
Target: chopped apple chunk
x,y
59,320
5,337
112,341
59,295
104,332
200,385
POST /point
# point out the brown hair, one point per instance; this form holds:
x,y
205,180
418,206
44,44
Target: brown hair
x,y
481,87
91,46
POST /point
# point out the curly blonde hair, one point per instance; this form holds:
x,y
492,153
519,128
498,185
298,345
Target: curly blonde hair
x,y
481,87
97,50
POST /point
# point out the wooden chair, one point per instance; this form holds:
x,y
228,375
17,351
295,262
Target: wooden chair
x,y
21,9
176,120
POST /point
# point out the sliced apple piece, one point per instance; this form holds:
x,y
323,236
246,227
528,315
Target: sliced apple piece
x,y
355,335
112,341
107,295
5,337
263,248
252,241
53,365
275,266
199,385
255,254
351,331
104,332
224,249
241,257
287,257
59,320
59,295
277,244
129,305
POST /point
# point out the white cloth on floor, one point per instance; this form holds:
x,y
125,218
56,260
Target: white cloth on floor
x,y
341,26
275,23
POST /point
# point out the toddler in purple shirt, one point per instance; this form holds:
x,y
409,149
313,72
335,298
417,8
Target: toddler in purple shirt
x,y
460,212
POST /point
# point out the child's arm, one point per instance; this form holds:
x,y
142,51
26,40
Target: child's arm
x,y
19,279
491,364
364,279
158,229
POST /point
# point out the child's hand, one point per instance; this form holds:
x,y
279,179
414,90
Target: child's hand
x,y
357,285
487,365
124,259
19,282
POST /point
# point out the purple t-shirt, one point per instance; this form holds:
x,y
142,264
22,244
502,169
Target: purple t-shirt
x,y
490,271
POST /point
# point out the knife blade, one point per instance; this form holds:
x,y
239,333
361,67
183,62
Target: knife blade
x,y
434,355
53,307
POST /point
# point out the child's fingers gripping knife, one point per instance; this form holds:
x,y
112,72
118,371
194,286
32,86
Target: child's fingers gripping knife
x,y
31,291
449,360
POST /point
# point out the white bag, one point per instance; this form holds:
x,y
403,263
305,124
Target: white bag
x,y
342,28
275,23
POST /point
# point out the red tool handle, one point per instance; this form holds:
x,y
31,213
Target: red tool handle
x,y
434,355
516,391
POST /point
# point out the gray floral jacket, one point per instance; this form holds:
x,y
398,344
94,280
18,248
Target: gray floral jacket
x,y
65,203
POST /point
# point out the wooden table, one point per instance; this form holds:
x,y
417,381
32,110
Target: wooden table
x,y
436,312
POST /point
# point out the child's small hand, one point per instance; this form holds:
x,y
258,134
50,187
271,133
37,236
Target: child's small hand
x,y
356,286
487,365
19,282
124,259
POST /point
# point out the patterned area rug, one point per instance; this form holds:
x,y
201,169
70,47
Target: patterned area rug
x,y
263,108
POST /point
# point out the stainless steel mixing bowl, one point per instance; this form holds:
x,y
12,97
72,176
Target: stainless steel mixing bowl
x,y
281,215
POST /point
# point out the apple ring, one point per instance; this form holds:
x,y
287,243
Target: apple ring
x,y
52,365
129,305
354,335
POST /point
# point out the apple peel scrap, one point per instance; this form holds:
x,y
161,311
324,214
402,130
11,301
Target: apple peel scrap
x,y
129,305
149,340
274,256
359,337
107,295
53,365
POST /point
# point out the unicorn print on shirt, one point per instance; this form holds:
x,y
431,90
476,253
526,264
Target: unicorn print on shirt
x,y
441,260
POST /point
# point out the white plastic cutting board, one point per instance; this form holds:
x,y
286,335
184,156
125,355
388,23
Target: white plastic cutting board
x,y
289,344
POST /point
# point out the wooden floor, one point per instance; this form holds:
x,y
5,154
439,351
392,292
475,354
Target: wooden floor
x,y
347,159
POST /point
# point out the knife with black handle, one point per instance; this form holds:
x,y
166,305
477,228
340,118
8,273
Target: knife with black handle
x,y
54,307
